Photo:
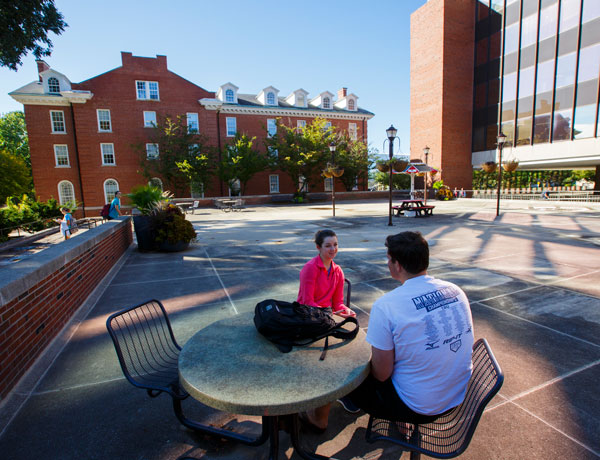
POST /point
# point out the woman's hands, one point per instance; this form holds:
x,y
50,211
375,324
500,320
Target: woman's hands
x,y
345,312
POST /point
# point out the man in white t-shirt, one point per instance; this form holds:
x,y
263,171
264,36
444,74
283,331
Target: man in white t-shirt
x,y
421,335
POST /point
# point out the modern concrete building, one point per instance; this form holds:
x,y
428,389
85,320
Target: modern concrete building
x,y
527,68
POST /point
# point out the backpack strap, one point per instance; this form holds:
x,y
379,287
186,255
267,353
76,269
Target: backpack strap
x,y
339,333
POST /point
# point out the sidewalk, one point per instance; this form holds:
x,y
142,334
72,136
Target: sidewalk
x,y
531,275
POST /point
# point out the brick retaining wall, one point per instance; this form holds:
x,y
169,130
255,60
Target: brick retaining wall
x,y
40,294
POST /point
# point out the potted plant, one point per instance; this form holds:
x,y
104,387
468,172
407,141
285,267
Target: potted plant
x,y
171,231
489,166
145,198
382,166
511,165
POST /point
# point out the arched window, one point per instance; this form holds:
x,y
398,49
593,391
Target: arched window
x,y
229,95
350,104
326,103
66,192
111,186
53,86
270,98
156,182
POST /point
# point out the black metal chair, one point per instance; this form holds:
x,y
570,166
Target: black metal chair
x,y
149,354
450,434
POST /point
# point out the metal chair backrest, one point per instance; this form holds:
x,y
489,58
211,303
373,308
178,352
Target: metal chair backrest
x,y
195,204
348,293
146,347
449,435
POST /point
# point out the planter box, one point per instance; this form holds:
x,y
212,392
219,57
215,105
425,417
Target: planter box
x,y
143,233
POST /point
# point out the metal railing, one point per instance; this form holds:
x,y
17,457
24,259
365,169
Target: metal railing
x,y
563,195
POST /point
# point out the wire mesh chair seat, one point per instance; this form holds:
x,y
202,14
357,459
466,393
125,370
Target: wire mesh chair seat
x,y
449,435
149,357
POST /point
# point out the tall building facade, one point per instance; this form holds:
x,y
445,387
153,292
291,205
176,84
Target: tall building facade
x,y
535,77
85,137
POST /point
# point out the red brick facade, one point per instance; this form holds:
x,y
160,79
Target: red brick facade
x,y
441,87
115,91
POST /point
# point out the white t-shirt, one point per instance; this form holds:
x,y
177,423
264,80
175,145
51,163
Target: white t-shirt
x,y
428,324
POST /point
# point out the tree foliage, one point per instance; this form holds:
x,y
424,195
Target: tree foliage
x,y
13,135
241,162
24,27
15,178
356,159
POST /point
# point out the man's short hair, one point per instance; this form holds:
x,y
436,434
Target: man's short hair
x,y
410,250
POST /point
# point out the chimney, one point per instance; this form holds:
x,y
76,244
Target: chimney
x,y
42,66
342,93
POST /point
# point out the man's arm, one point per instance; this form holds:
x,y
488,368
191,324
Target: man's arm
x,y
382,363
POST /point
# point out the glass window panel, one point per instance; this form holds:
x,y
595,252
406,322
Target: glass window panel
x,y
569,14
510,63
492,114
524,131
547,49
480,96
585,116
512,12
111,187
545,77
494,91
149,119
495,45
490,138
589,63
525,107
567,41
529,7
192,122
231,124
53,85
66,192
482,29
528,56
590,33
483,7
526,82
587,92
509,87
562,126
482,51
511,39
141,89
153,90
229,95
548,18
497,6
546,3
565,70
274,183
480,117
58,121
543,102
508,129
591,10
61,154
528,30
479,139
271,127
508,111
541,126
108,154
563,98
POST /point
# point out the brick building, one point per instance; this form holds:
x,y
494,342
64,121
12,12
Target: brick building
x,y
82,136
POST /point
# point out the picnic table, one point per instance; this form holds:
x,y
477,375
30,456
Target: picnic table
x,y
417,206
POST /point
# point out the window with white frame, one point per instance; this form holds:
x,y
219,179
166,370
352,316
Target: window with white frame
x,y
53,85
273,183
66,192
61,154
352,132
301,124
328,184
192,123
351,104
147,90
271,127
58,121
229,96
156,182
270,98
231,124
149,119
108,154
272,151
104,120
327,125
152,151
111,187
326,103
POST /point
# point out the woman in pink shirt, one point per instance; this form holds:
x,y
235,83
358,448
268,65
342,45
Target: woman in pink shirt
x,y
321,279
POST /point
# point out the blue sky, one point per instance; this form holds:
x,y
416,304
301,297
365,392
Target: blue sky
x,y
315,45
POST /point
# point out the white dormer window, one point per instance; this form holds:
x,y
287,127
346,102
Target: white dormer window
x,y
53,85
268,96
229,96
351,104
270,99
326,103
300,100
227,93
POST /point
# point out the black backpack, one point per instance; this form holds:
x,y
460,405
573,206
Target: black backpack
x,y
292,324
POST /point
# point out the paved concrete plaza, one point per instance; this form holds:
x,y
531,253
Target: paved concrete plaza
x,y
533,278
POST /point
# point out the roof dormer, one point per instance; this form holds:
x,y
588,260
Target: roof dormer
x,y
298,98
228,93
54,82
323,100
268,96
346,101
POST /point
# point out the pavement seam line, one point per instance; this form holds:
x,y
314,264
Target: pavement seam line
x,y
74,387
235,311
539,325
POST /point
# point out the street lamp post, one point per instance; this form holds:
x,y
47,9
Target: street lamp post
x,y
501,141
332,149
391,135
426,152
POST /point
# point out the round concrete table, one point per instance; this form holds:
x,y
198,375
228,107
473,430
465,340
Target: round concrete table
x,y
229,366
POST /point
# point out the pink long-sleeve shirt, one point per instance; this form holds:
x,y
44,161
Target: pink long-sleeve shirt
x,y
319,288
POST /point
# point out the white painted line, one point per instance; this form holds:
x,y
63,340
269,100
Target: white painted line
x,y
76,387
235,311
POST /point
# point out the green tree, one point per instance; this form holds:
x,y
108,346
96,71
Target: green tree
x,y
301,152
24,27
241,162
399,181
13,135
183,155
15,178
356,159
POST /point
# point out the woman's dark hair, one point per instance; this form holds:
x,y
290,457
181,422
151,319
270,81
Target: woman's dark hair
x,y
64,208
410,250
322,234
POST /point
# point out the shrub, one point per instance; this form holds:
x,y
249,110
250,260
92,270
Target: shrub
x,y
169,224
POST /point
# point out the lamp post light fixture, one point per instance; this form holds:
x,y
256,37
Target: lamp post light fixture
x,y
332,147
391,135
501,141
426,153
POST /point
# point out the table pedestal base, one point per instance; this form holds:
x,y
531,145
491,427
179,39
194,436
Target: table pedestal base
x,y
293,424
